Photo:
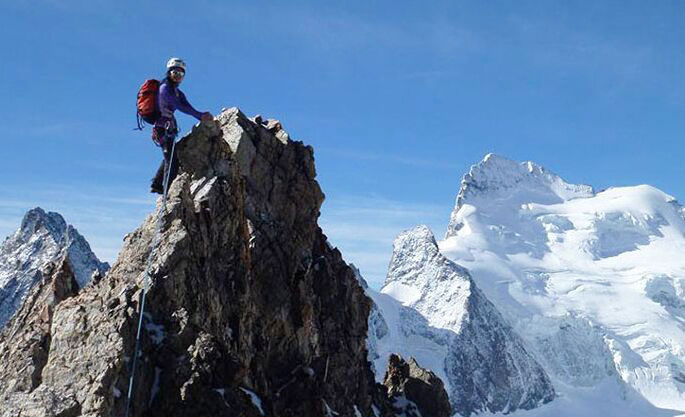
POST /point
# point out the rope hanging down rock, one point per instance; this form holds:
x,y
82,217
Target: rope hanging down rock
x,y
146,277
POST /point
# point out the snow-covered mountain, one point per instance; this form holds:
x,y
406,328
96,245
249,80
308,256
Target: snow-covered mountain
x,y
42,238
593,282
430,308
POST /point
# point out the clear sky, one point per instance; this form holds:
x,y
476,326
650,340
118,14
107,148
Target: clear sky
x,y
397,98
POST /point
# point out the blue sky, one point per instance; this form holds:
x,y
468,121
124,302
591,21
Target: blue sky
x,y
397,98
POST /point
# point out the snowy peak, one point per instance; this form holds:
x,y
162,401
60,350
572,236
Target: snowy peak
x,y
496,174
496,181
431,309
590,280
43,238
37,220
416,247
419,276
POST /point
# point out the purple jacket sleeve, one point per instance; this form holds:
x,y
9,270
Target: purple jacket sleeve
x,y
185,107
169,102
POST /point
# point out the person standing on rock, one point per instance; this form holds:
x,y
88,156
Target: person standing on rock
x,y
170,99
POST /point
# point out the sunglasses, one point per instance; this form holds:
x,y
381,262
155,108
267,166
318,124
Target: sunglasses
x,y
177,73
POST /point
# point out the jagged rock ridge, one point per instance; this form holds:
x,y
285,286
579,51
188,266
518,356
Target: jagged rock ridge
x,y
42,238
249,310
27,342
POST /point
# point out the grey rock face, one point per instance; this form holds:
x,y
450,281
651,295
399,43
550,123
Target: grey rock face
x,y
249,310
42,238
412,386
31,325
486,364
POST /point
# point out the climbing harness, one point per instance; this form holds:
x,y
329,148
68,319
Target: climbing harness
x,y
146,277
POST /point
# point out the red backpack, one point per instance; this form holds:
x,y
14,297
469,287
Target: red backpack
x,y
147,103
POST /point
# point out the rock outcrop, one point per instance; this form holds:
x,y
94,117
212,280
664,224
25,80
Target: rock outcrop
x,y
42,238
249,310
412,386
27,338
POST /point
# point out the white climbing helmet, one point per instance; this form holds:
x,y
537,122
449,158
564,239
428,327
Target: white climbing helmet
x,y
176,63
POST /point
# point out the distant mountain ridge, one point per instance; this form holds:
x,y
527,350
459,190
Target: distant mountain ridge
x,y
42,238
593,282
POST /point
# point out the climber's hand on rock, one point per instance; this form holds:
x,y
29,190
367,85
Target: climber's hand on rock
x,y
207,117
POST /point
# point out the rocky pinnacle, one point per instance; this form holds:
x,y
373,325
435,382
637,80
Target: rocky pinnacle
x,y
250,311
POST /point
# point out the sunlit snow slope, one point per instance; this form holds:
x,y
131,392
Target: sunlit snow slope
x,y
593,281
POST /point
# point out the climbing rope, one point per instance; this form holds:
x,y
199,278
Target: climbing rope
x,y
146,277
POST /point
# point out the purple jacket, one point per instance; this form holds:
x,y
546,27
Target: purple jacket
x,y
170,99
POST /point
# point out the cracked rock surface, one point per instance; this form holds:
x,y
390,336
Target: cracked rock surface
x,y
416,391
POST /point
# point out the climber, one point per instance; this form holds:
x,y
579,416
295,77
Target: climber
x,y
164,133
